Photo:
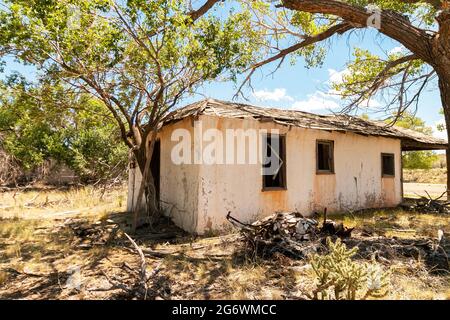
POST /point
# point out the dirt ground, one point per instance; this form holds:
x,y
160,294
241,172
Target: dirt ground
x,y
86,255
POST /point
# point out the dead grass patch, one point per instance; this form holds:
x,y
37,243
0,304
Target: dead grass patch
x,y
396,223
436,175
37,258
47,203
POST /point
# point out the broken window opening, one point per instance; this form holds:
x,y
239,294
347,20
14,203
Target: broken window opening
x,y
325,156
274,165
387,164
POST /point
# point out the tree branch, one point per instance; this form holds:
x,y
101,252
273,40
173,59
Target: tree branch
x,y
337,29
196,14
392,25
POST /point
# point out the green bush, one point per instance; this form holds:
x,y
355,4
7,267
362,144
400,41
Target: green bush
x,y
419,159
41,123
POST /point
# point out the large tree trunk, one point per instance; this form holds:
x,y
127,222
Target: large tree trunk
x,y
147,187
440,49
444,87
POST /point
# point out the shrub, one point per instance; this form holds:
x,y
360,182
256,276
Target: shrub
x,y
339,277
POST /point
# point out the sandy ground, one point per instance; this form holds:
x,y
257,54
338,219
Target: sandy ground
x,y
418,189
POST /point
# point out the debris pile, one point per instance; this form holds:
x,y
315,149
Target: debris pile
x,y
288,233
430,205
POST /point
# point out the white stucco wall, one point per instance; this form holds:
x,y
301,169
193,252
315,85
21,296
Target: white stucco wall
x,y
357,182
178,183
198,197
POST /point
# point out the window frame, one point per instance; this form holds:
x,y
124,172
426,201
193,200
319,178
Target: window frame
x,y
282,138
392,155
331,144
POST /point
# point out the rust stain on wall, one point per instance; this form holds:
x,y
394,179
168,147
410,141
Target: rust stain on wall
x,y
274,200
324,190
388,191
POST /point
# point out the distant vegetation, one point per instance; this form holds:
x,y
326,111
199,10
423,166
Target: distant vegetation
x,y
39,128
417,159
436,175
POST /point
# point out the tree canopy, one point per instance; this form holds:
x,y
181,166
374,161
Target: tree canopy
x,y
398,78
139,57
39,124
304,28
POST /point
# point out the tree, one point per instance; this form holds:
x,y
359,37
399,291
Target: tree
x,y
39,124
138,57
416,159
422,27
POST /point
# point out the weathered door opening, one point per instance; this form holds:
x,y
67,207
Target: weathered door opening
x,y
155,168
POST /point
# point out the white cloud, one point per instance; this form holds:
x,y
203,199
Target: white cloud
x,y
278,94
337,76
316,101
396,50
370,104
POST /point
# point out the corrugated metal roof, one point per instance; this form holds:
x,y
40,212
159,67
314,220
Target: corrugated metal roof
x,y
411,140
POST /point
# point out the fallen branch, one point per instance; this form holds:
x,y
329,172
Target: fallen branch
x,y
430,205
143,264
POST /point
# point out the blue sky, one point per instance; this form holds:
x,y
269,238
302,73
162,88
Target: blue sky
x,y
296,87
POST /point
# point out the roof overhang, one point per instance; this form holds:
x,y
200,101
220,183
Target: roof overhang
x,y
413,145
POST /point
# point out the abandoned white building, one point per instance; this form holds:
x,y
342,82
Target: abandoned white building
x,y
336,162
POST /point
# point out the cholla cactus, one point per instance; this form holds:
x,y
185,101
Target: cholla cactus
x,y
377,281
339,277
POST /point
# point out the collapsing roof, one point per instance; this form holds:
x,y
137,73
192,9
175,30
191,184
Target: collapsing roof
x,y
411,140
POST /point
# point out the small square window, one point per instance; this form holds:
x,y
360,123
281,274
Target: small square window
x,y
325,156
274,166
387,164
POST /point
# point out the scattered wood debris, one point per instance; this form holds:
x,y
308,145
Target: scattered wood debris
x,y
334,228
429,205
138,288
433,252
288,233
295,236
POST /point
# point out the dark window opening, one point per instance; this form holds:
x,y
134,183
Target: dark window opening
x,y
387,164
274,165
155,167
325,156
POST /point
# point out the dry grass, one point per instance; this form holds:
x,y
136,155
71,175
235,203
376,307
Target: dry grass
x,y
397,223
37,256
436,175
48,203
32,240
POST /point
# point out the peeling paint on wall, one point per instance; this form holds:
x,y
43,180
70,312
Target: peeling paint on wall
x,y
200,196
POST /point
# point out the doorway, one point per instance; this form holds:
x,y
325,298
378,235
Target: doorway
x,y
155,168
